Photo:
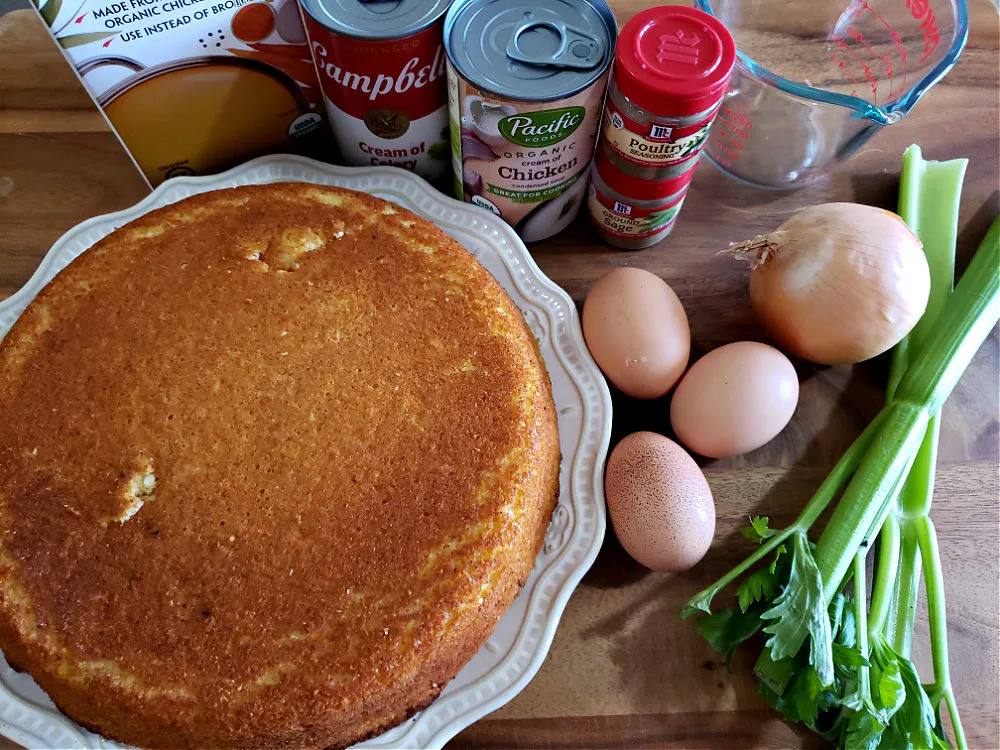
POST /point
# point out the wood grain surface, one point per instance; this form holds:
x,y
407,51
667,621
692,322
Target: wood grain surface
x,y
623,670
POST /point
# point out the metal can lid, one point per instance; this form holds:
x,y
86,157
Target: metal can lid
x,y
375,19
674,61
530,50
635,187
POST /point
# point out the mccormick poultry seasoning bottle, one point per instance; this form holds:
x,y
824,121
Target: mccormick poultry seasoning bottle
x,y
672,69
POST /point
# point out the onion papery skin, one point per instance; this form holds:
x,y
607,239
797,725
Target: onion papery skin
x,y
840,283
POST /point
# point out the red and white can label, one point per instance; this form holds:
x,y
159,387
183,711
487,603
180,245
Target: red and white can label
x,y
625,220
387,99
655,144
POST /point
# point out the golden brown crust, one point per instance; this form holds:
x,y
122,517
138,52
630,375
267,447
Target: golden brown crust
x,y
273,462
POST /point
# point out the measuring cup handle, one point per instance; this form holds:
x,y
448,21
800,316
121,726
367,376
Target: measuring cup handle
x,y
99,62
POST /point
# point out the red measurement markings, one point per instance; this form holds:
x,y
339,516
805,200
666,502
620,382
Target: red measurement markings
x,y
852,13
839,62
896,40
730,116
921,11
865,5
733,155
887,64
719,154
860,38
869,75
730,137
883,58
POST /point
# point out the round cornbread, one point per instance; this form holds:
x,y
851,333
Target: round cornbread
x,y
273,462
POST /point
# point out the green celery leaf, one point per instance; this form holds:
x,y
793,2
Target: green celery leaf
x,y
701,603
728,628
800,612
774,700
836,613
864,731
848,635
939,729
852,694
775,673
895,737
773,567
804,694
915,719
761,585
888,690
833,727
757,531
848,657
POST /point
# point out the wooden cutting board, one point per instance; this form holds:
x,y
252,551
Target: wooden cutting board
x,y
624,671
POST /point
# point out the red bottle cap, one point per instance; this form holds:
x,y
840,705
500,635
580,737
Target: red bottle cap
x,y
674,61
634,187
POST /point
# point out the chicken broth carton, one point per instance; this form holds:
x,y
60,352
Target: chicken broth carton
x,y
195,86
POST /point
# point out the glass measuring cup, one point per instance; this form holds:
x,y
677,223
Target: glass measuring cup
x,y
815,80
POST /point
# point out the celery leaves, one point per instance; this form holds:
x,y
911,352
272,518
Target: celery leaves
x,y
728,628
762,584
853,683
800,612
758,531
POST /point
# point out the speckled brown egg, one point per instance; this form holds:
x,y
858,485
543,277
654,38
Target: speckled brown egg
x,y
660,503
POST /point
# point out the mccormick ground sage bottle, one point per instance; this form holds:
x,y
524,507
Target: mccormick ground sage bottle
x,y
632,213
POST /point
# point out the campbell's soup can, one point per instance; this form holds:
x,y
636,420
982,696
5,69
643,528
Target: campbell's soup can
x,y
381,67
526,82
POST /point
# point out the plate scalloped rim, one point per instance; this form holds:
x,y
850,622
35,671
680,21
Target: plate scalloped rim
x,y
515,651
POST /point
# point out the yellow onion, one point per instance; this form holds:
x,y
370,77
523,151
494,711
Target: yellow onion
x,y
839,282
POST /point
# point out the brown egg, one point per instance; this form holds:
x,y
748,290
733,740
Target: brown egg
x,y
637,332
660,503
734,399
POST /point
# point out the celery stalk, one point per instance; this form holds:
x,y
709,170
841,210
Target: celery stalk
x,y
963,324
882,456
929,194
830,661
929,203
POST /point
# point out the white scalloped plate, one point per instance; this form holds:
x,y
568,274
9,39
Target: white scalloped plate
x,y
515,651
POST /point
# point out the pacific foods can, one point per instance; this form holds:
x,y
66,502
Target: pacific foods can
x,y
526,82
381,66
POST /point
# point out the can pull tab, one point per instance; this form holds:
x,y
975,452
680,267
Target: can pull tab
x,y
555,45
